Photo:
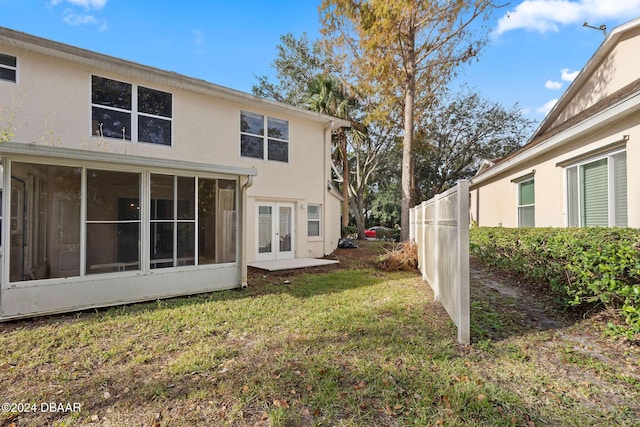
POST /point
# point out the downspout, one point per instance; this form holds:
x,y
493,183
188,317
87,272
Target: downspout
x,y
325,211
243,244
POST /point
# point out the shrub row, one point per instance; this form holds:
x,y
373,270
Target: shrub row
x,y
581,265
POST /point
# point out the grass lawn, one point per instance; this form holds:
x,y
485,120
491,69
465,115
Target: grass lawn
x,y
347,346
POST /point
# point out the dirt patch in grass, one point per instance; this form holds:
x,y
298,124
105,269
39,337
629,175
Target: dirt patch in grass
x,y
510,315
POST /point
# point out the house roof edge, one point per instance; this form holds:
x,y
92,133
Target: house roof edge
x,y
61,50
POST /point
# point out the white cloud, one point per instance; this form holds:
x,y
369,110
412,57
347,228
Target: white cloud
x,y
199,37
549,15
74,19
568,76
547,107
87,4
550,84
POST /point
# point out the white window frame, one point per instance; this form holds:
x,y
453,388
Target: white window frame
x,y
611,196
314,220
519,206
265,137
133,112
10,67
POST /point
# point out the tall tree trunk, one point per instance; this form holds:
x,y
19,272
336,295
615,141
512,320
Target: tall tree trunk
x,y
342,135
357,208
407,142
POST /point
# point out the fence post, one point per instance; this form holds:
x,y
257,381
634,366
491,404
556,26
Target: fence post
x,y
464,326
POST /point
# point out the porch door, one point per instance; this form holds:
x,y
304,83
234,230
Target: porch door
x,y
275,231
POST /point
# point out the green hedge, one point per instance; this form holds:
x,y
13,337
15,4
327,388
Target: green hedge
x,y
581,265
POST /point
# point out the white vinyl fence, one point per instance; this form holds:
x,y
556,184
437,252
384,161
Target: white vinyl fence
x,y
440,228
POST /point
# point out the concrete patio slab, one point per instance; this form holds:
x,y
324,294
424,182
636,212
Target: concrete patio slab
x,y
291,264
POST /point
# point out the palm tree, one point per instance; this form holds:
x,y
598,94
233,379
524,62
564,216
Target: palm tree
x,y
326,95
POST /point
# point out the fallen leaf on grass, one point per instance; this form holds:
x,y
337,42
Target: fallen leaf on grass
x,y
529,421
361,384
281,403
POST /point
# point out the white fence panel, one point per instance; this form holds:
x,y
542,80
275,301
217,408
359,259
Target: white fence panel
x,y
440,228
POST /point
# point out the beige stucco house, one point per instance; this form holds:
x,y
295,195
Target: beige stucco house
x,y
578,169
122,182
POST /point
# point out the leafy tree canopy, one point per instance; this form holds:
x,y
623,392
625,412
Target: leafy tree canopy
x,y
459,134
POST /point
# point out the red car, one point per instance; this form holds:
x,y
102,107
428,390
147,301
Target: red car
x,y
372,232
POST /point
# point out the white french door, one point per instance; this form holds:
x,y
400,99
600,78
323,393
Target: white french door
x,y
275,237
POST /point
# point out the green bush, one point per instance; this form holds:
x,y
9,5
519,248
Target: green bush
x,y
350,232
581,265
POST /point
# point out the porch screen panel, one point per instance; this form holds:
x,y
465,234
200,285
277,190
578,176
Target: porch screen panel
x,y
206,221
595,189
227,224
186,221
113,221
45,221
161,233
620,189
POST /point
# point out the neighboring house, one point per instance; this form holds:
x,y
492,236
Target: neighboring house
x,y
121,182
577,169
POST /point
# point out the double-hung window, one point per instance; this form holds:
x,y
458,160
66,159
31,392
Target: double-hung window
x,y
154,116
526,203
255,142
597,192
132,113
8,67
313,220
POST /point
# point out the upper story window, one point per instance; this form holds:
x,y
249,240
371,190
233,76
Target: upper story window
x,y
132,113
255,142
597,192
8,67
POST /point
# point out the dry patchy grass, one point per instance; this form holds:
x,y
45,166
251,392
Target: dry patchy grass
x,y
347,345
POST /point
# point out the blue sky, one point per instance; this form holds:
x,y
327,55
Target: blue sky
x,y
536,49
